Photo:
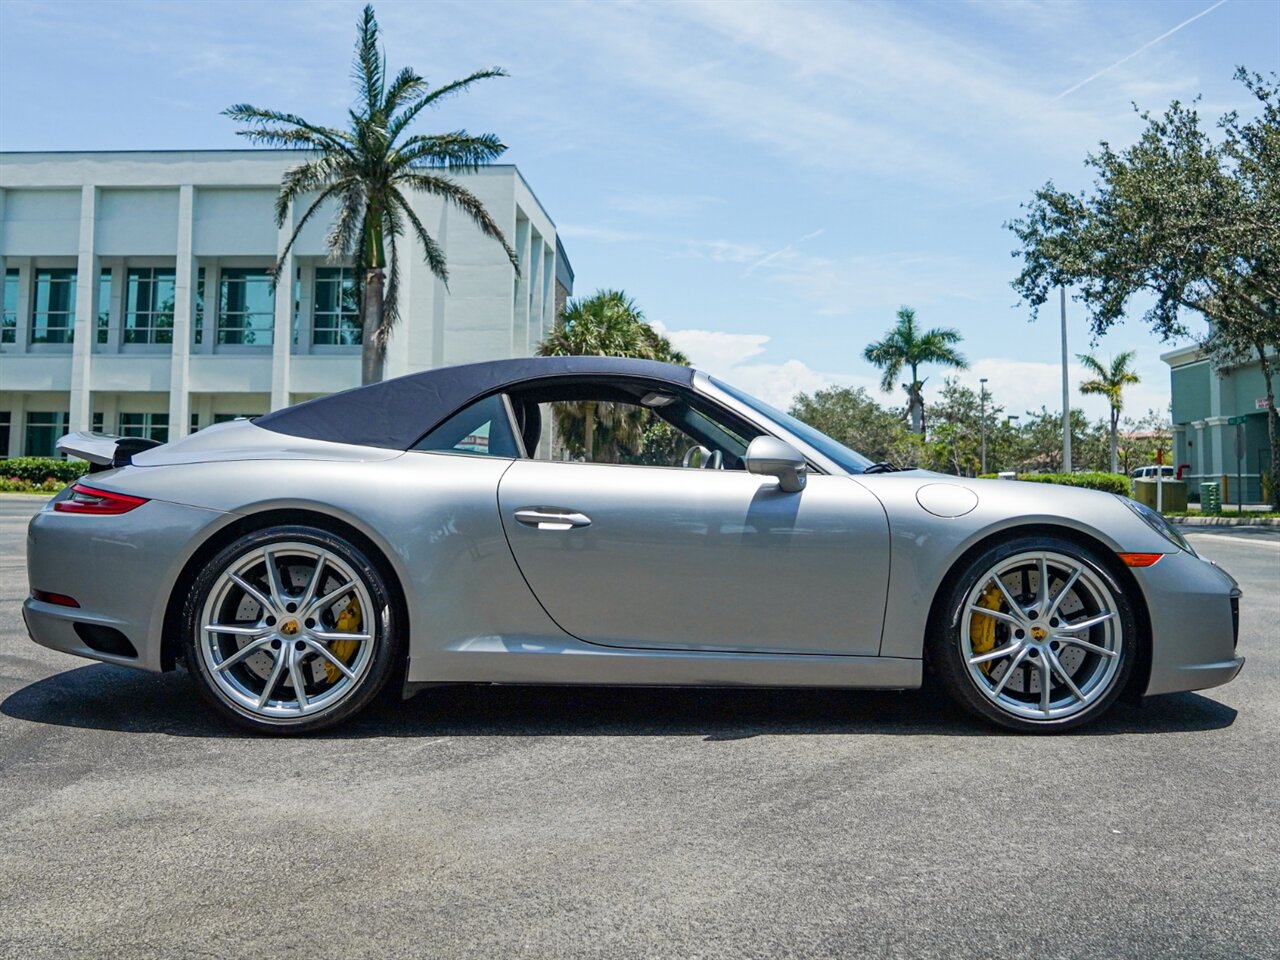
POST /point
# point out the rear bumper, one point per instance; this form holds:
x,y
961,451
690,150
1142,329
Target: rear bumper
x,y
1194,612
119,569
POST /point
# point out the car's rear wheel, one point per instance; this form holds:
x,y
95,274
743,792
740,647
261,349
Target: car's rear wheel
x,y
290,629
1036,634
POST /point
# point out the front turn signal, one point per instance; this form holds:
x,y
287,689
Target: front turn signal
x,y
103,503
1140,559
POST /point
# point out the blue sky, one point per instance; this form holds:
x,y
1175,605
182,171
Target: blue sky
x,y
769,180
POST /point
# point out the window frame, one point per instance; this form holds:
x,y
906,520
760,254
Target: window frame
x,y
335,328
512,425
221,329
128,331
68,276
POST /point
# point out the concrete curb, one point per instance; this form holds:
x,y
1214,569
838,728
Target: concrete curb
x,y
1244,521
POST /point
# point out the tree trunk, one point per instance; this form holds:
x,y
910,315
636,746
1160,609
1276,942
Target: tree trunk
x,y
371,309
1273,428
589,432
1115,450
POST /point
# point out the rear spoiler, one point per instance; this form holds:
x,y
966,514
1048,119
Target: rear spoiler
x,y
102,451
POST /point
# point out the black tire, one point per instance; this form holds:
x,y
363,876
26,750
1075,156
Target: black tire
x,y
972,686
380,665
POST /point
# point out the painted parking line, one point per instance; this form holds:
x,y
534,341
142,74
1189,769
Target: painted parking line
x,y
1252,541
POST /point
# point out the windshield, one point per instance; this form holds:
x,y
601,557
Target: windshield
x,y
847,459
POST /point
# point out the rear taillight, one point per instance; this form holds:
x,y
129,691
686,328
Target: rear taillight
x,y
86,499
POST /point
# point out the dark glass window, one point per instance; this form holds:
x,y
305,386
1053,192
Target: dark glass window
x,y
9,319
246,307
152,426
43,431
337,308
197,328
53,315
483,428
6,418
148,308
104,305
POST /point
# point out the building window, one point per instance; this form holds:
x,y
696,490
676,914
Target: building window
x,y
43,431
9,319
6,418
151,426
104,305
246,307
54,315
197,334
195,423
148,307
337,312
99,422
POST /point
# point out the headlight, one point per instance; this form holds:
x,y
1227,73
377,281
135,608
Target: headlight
x,y
1158,523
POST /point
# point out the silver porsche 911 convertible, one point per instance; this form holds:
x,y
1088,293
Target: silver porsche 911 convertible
x,y
594,520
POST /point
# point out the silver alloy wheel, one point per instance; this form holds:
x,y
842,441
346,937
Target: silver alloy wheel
x,y
268,631
1058,638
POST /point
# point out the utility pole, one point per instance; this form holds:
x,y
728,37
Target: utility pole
x,y
1066,389
982,418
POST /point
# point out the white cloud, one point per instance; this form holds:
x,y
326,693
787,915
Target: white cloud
x,y
1020,386
726,355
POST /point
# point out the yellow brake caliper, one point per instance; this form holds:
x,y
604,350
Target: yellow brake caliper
x,y
349,621
982,629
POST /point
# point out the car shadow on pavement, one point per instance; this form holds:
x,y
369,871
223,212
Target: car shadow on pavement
x,y
103,697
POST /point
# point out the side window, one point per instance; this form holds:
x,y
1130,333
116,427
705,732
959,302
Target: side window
x,y
610,425
483,429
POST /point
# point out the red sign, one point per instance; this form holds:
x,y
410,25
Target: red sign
x,y
1261,404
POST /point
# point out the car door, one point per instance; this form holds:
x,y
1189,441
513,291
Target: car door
x,y
690,559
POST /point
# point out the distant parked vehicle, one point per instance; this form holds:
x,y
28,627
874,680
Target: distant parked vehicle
x,y
1152,472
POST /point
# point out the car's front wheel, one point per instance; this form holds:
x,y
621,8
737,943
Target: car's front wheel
x,y
1036,634
290,629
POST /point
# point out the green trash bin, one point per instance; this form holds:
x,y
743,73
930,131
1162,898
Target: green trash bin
x,y
1210,498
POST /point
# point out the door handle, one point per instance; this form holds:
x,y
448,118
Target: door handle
x,y
549,518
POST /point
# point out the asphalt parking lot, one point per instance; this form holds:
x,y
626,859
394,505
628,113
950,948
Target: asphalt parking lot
x,y
507,822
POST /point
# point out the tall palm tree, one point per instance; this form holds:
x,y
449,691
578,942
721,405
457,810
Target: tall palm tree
x,y
907,346
606,324
367,169
1110,382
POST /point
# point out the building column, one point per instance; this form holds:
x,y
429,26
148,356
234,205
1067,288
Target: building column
x,y
86,322
17,425
184,296
282,338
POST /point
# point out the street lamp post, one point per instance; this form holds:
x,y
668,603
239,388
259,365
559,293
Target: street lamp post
x,y
982,418
1066,389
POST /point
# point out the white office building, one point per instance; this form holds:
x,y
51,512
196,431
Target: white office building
x,y
138,297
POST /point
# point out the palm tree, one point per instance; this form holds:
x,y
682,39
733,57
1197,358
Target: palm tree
x,y
1110,382
367,169
906,346
606,324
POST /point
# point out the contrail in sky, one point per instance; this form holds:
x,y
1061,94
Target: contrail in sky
x,y
1145,46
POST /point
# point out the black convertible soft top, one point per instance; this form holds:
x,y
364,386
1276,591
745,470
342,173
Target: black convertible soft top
x,y
394,414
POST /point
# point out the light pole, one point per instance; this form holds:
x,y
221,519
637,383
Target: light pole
x,y
1066,389
982,418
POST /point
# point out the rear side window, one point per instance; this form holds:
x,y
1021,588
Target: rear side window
x,y
482,429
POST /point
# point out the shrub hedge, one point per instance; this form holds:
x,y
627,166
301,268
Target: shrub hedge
x,y
1107,482
41,470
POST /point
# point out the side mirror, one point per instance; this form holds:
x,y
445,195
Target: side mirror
x,y
771,457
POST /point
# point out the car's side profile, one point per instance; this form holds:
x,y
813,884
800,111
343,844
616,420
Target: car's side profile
x,y
604,521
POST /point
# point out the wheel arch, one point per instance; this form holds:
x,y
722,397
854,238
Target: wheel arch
x,y
1141,673
170,643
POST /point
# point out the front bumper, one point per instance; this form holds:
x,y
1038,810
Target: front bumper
x,y
1194,612
120,569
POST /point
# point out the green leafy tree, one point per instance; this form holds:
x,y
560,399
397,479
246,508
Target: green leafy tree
x,y
1041,432
1190,222
367,172
1110,381
606,324
1141,438
907,346
856,420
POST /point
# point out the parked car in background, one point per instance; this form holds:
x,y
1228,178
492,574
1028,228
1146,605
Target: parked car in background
x,y
1152,472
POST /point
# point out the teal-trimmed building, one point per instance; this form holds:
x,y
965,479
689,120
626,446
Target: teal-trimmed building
x,y
1205,402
